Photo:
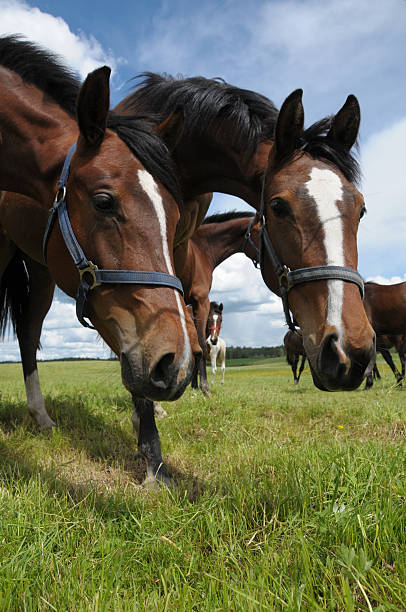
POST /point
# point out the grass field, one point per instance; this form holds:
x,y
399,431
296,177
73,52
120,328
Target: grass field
x,y
287,499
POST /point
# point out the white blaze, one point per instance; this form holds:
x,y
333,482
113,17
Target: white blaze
x,y
150,187
326,189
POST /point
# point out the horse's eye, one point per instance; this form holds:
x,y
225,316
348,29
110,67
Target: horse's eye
x,y
362,212
104,202
279,207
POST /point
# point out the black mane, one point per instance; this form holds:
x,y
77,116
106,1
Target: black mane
x,y
205,101
227,216
42,69
47,72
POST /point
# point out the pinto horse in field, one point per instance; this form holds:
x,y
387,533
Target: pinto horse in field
x,y
293,343
303,184
109,240
216,345
219,237
385,306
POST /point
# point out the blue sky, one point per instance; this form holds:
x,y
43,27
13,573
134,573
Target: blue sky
x,y
330,48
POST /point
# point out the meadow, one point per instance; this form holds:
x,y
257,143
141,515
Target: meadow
x,y
287,498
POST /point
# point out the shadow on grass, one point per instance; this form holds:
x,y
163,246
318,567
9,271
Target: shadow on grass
x,y
88,432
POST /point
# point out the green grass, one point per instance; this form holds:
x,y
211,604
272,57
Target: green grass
x,y
288,498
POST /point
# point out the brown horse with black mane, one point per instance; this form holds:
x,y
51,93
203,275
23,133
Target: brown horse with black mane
x,y
116,206
219,237
385,306
293,343
302,182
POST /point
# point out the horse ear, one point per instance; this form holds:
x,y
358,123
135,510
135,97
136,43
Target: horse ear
x,y
171,129
289,125
221,307
345,126
93,106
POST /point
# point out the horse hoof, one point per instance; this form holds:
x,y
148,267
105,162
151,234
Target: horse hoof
x,y
46,424
159,412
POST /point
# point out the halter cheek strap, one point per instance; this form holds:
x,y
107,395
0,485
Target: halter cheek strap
x,y
90,276
248,239
288,278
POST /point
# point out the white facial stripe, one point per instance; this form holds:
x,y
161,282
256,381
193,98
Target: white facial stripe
x,y
326,189
150,187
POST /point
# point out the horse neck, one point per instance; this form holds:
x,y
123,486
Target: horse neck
x,y
36,135
221,240
207,166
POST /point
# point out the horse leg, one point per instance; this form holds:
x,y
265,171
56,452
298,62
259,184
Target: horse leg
x,y
223,367
294,369
402,357
376,373
369,381
302,365
41,290
149,444
388,358
213,355
201,311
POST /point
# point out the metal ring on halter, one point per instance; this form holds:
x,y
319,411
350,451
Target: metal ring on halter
x,y
91,269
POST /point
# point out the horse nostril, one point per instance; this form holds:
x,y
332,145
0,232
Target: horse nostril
x,y
332,357
162,372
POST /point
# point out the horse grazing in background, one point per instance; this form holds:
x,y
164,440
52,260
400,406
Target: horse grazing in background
x,y
219,237
385,306
216,345
302,183
108,241
383,346
293,343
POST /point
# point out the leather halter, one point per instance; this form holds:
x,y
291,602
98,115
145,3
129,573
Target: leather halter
x,y
288,278
90,275
249,240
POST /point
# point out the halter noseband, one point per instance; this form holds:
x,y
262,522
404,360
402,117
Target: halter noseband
x,y
288,278
90,275
249,240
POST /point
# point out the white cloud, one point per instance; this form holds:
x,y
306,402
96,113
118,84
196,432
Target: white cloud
x,y
382,232
80,51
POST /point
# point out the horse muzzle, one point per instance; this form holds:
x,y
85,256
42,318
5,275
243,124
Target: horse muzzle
x,y
164,379
337,368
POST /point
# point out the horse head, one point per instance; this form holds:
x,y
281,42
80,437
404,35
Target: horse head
x,y
125,219
311,212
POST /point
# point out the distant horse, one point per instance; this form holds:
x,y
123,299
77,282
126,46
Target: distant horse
x,y
220,236
302,183
293,343
216,345
117,205
385,306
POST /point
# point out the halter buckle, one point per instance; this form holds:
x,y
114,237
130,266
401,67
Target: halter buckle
x,y
60,195
284,278
90,269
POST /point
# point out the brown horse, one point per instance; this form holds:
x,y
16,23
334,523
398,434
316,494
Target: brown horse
x,y
303,184
117,203
383,346
219,237
385,306
293,343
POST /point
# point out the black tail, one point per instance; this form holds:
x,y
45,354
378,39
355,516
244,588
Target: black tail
x,y
14,290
